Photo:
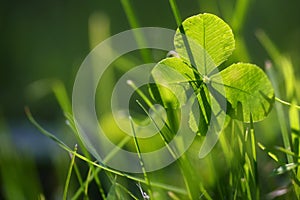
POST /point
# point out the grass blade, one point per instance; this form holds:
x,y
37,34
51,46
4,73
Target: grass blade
x,y
175,11
132,18
280,112
99,166
46,133
69,175
141,158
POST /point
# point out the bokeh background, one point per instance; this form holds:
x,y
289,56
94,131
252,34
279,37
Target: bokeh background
x,y
44,42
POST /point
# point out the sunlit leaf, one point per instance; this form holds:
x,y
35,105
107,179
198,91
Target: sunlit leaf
x,y
248,90
172,76
204,40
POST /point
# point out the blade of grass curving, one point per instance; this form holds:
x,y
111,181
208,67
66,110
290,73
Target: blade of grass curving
x,y
287,103
51,136
140,158
99,166
154,184
69,174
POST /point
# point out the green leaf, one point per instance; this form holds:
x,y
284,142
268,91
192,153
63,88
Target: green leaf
x,y
248,91
172,76
209,41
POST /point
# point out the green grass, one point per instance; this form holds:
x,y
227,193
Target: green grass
x,y
233,170
238,178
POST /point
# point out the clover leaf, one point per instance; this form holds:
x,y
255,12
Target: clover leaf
x,y
203,42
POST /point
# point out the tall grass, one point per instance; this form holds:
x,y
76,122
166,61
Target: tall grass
x,y
230,171
288,116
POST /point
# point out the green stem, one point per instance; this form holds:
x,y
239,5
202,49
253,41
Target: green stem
x,y
87,183
286,103
69,174
174,155
141,158
132,18
99,166
175,11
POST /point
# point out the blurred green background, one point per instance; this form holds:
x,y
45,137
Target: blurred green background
x,y
50,39
42,41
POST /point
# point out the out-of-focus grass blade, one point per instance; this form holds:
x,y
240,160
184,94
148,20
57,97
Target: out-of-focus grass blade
x,y
285,168
239,14
268,45
61,95
280,112
269,152
134,23
175,11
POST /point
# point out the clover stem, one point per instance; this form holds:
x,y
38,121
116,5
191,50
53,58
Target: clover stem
x,y
286,103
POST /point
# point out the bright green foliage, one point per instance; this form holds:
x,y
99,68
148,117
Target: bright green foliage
x,y
248,86
176,83
210,41
203,42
